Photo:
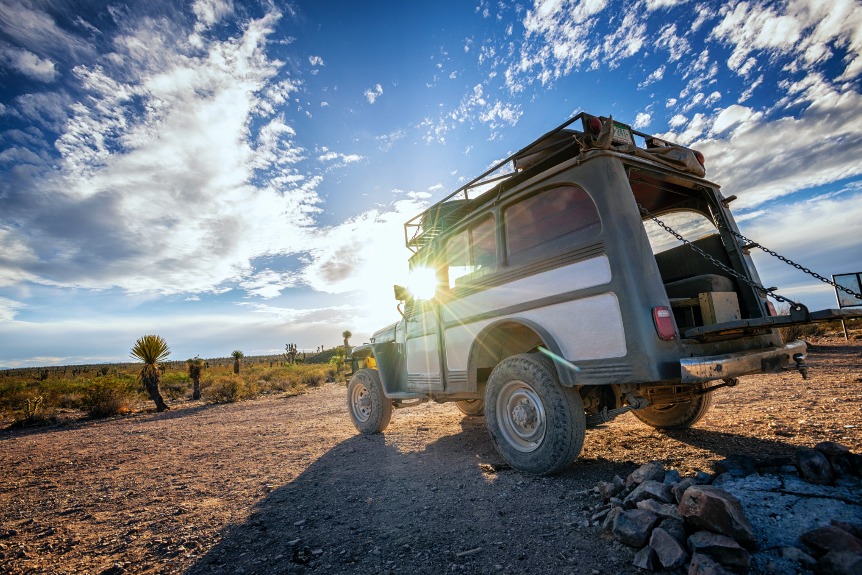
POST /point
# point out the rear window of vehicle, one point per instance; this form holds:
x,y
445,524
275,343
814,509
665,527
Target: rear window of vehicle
x,y
550,222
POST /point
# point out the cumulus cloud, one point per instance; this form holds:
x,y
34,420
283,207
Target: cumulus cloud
x,y
371,94
29,64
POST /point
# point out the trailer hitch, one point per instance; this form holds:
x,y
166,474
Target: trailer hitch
x,y
801,365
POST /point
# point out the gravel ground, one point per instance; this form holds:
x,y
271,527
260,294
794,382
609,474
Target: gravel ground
x,y
285,485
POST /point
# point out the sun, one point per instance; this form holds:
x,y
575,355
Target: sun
x,y
422,283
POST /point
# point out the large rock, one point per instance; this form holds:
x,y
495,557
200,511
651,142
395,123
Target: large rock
x,y
703,565
839,563
633,527
831,538
649,489
716,510
814,466
676,528
652,470
680,488
736,465
721,548
830,448
670,552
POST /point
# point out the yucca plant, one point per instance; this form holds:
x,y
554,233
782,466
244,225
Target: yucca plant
x,y
151,349
196,366
237,355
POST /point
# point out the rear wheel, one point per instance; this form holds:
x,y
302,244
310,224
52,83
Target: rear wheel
x,y
471,406
369,408
678,415
537,425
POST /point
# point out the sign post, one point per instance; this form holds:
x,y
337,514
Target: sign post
x,y
853,282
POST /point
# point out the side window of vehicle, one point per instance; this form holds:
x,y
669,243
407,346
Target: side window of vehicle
x,y
550,222
472,253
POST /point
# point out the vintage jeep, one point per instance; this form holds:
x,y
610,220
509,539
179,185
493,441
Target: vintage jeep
x,y
592,273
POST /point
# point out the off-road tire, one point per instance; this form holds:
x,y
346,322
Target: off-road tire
x,y
676,416
475,407
369,408
536,424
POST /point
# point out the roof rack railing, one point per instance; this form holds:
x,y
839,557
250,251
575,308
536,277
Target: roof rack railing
x,y
421,237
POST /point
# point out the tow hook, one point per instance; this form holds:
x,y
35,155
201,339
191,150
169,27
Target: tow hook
x,y
801,365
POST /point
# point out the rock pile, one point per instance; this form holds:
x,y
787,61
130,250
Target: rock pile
x,y
778,516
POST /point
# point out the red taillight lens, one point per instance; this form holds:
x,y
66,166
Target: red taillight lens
x,y
664,324
771,309
700,158
595,124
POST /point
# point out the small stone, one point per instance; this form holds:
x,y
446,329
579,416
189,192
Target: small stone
x,y
797,555
702,478
607,524
652,470
814,466
660,509
608,489
716,510
831,448
703,565
649,489
671,477
831,538
670,552
646,559
839,563
676,527
680,488
736,465
721,548
633,527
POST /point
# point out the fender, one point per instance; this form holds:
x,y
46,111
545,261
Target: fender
x,y
540,336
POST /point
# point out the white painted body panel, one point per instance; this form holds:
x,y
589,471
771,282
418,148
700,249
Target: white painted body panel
x,y
586,328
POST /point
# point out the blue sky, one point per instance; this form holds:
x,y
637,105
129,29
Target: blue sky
x,y
235,175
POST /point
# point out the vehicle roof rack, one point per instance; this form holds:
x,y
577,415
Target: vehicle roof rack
x,y
596,132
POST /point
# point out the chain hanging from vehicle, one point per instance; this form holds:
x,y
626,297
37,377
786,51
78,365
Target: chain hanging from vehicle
x,y
768,291
752,244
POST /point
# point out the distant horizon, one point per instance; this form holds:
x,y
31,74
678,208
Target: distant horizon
x,y
232,174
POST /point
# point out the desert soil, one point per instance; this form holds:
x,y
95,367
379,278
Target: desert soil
x,y
285,485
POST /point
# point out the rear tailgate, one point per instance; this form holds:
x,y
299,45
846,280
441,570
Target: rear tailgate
x,y
748,326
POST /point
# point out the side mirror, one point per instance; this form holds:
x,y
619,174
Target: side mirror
x,y
402,293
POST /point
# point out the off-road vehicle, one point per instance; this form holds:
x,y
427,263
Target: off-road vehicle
x,y
592,273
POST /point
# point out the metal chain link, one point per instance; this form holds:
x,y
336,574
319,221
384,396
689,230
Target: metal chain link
x,y
752,244
717,263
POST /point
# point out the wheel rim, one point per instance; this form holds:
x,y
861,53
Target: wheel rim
x,y
360,402
521,416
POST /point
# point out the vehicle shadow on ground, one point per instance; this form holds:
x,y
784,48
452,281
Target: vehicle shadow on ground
x,y
727,444
371,505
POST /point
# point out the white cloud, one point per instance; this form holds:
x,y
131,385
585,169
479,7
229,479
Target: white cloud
x,y
642,120
734,116
371,94
655,76
8,308
29,64
316,61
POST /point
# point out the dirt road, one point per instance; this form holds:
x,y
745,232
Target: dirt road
x,y
284,485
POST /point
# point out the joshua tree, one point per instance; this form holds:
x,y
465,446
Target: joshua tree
x,y
346,335
151,349
237,355
196,366
290,353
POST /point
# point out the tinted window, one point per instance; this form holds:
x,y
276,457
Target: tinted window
x,y
472,253
550,222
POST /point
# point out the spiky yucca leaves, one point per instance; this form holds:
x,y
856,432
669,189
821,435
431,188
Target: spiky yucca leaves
x,y
151,349
196,366
237,355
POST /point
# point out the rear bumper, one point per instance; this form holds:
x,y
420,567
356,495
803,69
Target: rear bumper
x,y
708,368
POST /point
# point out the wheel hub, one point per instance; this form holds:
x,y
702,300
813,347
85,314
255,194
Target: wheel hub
x,y
361,403
521,416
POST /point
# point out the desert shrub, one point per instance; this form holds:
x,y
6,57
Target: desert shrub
x,y
176,384
228,389
33,411
314,376
108,396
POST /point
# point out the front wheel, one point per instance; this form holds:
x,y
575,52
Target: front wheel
x,y
537,425
677,415
471,406
369,408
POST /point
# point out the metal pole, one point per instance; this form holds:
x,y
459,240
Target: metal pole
x,y
838,299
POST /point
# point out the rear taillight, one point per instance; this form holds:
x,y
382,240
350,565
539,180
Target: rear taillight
x,y
595,125
700,158
771,309
664,324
